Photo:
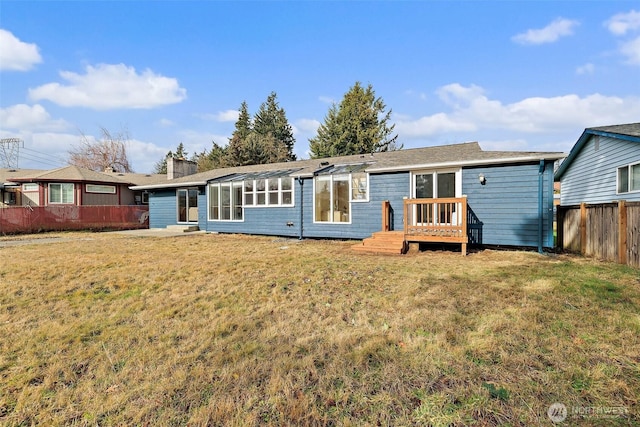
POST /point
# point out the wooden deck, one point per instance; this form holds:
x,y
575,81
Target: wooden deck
x,y
442,220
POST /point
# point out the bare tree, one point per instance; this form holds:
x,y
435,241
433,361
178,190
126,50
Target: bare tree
x,y
109,152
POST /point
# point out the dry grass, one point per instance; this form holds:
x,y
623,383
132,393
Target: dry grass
x,y
103,329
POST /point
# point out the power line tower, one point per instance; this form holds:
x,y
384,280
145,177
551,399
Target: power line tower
x,y
10,152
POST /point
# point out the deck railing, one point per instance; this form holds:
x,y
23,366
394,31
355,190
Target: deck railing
x,y
436,220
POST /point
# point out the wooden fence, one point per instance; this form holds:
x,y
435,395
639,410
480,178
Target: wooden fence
x,y
27,219
609,231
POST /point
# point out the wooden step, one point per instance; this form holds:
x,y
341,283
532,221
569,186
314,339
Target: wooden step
x,y
391,242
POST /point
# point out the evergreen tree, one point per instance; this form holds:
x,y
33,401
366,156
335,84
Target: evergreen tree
x,y
208,160
234,155
271,119
358,125
267,138
161,166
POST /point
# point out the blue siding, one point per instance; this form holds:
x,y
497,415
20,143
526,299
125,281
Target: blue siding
x,y
366,217
592,176
507,205
162,208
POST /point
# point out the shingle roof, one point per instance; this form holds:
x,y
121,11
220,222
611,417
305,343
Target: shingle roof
x,y
627,132
437,156
7,175
630,129
77,174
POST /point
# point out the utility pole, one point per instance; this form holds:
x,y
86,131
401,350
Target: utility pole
x,y
10,152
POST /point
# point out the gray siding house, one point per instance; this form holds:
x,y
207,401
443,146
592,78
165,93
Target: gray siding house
x,y
492,197
603,166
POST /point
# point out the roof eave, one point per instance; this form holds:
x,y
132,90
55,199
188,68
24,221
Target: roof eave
x,y
168,185
467,163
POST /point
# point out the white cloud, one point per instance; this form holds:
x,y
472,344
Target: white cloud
x,y
165,123
228,116
17,55
622,23
307,125
631,50
144,155
587,68
473,111
108,86
23,117
196,142
558,28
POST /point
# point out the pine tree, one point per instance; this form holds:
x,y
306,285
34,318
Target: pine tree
x,y
358,125
268,138
208,160
271,119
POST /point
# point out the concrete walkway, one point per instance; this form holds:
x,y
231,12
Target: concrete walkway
x,y
156,232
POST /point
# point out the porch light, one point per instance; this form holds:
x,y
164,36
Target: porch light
x,y
482,179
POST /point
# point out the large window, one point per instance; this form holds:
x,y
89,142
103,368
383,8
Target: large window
x,y
332,198
268,192
629,178
225,201
61,193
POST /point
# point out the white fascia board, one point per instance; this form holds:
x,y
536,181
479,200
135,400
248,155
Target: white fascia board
x,y
466,163
171,185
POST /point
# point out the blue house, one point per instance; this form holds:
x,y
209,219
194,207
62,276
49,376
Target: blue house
x,y
453,193
603,166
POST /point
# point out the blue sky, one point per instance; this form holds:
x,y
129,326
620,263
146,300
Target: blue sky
x,y
512,75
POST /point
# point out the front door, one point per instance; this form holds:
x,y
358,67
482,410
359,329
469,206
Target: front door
x,y
188,205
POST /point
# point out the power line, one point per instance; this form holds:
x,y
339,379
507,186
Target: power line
x,y
41,160
45,158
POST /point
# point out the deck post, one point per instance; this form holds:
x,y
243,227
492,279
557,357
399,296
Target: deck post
x,y
464,219
385,215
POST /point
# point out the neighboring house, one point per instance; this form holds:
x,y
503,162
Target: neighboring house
x,y
603,166
10,194
71,185
500,197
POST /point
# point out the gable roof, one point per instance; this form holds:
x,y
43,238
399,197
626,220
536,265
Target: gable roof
x,y
465,154
627,132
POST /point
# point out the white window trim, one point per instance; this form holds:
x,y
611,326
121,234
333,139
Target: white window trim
x,y
266,194
458,178
30,187
628,166
332,222
366,199
73,193
230,184
112,189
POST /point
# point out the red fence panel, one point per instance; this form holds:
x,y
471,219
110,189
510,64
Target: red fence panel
x,y
26,219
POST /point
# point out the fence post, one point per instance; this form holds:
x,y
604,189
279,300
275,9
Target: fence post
x,y
583,228
622,232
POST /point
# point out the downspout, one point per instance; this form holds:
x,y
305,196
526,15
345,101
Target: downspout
x,y
301,181
540,205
